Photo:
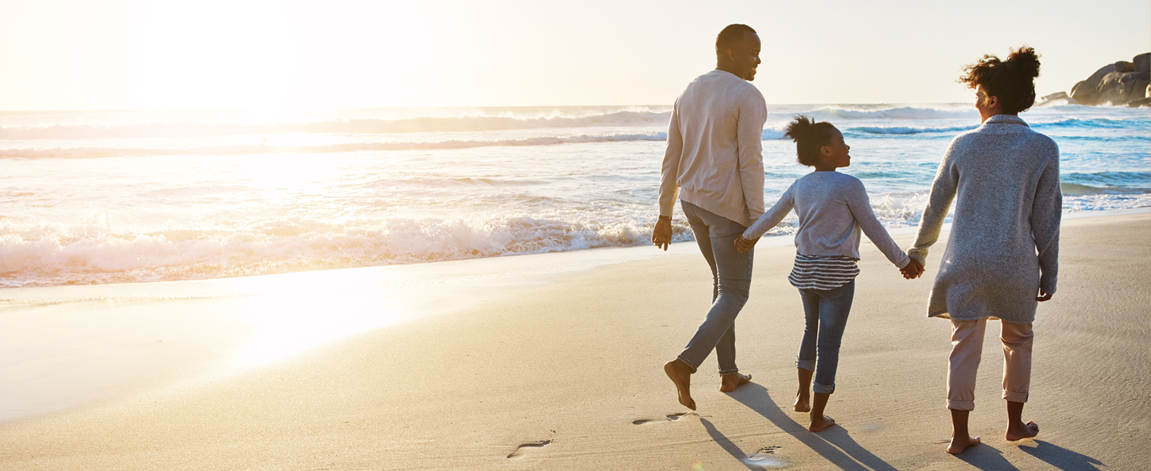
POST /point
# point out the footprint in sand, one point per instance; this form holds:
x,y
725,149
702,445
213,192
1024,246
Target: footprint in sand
x,y
519,451
669,418
765,458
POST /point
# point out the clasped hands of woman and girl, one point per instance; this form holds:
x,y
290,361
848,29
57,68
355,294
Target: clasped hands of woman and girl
x,y
1001,159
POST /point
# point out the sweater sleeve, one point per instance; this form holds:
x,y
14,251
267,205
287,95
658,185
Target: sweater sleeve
x,y
1046,213
938,202
860,206
749,138
772,216
668,187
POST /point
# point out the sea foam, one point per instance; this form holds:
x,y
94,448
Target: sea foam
x,y
185,128
99,197
36,253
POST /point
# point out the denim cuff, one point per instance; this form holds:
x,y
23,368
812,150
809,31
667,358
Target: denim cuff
x,y
823,388
728,372
808,365
961,405
684,360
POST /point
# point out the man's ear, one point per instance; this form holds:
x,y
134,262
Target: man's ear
x,y
825,151
729,54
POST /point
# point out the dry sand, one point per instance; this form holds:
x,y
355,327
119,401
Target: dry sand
x,y
565,373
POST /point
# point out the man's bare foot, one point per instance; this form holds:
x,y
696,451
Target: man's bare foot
x,y
680,374
1021,431
802,402
728,383
958,445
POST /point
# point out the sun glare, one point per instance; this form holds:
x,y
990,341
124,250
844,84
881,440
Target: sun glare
x,y
214,54
304,310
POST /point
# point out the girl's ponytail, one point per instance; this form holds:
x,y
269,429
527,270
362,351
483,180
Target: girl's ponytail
x,y
809,136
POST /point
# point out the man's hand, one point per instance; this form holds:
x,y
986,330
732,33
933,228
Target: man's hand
x,y
743,245
661,236
912,270
1043,296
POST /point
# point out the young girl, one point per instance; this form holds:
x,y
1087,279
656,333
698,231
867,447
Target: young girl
x,y
832,208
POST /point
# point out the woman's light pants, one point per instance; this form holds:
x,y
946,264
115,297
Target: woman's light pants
x,y
966,350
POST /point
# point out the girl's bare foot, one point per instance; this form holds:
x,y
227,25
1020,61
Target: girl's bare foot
x,y
680,374
729,382
803,394
958,444
1018,431
821,423
802,402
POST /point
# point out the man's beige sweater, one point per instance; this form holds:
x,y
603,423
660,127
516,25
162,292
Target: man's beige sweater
x,y
714,156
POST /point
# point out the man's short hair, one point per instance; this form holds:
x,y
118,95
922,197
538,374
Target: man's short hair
x,y
731,35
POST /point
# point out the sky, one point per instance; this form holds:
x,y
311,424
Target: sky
x,y
303,54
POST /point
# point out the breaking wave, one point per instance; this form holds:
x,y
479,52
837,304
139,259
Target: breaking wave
x,y
80,152
188,128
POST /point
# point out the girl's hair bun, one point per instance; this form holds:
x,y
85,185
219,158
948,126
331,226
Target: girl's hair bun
x,y
809,136
800,128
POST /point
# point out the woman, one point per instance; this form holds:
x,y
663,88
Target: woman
x,y
1002,254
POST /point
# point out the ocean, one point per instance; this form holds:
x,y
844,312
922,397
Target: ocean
x,y
94,197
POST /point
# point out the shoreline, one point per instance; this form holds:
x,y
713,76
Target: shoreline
x,y
529,366
49,334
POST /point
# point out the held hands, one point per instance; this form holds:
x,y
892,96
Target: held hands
x,y
743,245
912,270
661,236
1043,296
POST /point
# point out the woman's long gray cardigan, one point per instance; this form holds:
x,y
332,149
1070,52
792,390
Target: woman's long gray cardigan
x,y
1004,243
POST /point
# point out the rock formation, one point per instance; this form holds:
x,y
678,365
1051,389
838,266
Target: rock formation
x,y
1121,83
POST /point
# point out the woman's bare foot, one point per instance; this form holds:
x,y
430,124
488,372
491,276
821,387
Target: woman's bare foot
x,y
802,402
958,444
821,423
1018,431
960,437
728,383
680,374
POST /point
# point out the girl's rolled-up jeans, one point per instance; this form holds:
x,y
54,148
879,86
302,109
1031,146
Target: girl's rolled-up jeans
x,y
731,280
826,314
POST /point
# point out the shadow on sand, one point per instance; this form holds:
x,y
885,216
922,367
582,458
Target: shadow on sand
x,y
834,444
1061,458
727,444
987,458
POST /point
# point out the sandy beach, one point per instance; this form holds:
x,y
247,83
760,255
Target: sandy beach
x,y
554,362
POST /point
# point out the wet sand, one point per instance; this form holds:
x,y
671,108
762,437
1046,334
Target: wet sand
x,y
561,369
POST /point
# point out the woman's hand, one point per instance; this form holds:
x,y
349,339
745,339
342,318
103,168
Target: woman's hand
x,y
743,245
912,270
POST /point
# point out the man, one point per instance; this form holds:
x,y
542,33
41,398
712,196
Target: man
x,y
714,162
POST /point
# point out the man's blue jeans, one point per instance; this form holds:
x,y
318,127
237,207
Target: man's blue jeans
x,y
826,312
731,280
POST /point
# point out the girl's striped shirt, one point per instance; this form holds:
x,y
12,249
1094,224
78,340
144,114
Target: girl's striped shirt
x,y
822,272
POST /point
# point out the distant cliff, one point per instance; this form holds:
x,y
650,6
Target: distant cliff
x,y
1121,83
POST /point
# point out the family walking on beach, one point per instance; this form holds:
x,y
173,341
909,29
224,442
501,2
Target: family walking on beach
x,y
1001,257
